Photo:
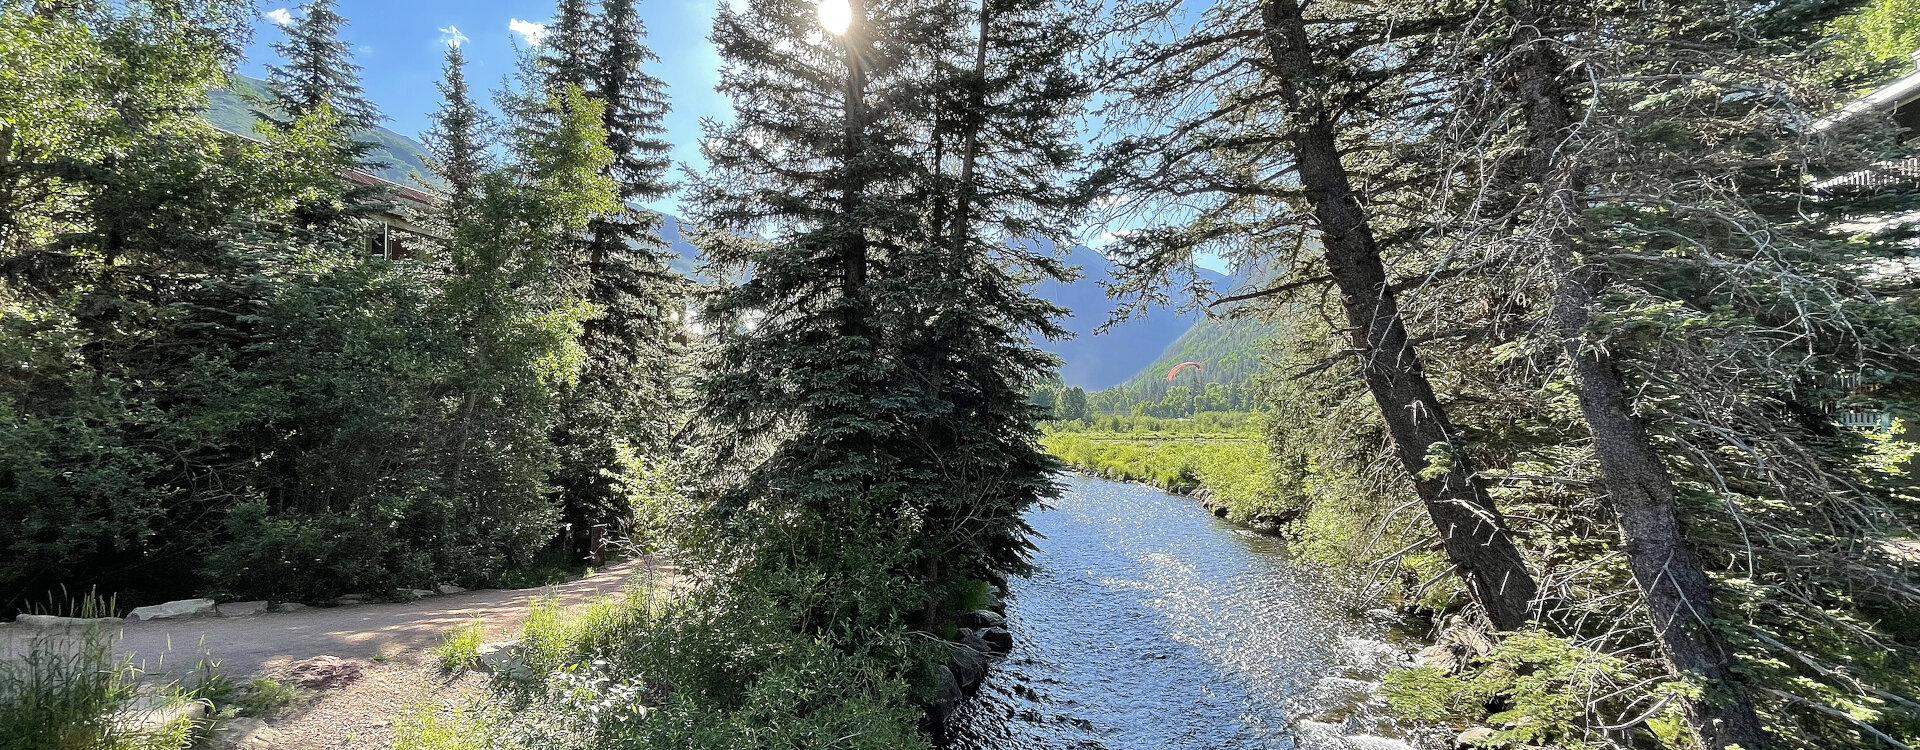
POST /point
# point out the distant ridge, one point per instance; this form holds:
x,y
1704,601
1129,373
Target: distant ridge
x,y
1228,348
397,158
1096,362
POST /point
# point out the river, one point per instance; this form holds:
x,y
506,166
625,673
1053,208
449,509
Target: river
x,y
1151,624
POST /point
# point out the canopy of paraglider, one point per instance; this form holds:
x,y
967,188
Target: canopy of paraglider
x,y
1182,366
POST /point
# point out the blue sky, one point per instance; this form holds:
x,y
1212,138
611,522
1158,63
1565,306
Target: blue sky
x,y
400,45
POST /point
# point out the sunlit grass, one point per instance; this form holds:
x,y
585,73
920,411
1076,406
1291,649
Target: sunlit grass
x,y
459,648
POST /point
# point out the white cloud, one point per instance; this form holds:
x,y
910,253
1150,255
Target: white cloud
x,y
281,16
534,33
452,37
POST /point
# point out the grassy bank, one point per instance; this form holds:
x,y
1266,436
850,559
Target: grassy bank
x,y
1220,453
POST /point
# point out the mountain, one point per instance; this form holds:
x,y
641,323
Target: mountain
x,y
1095,362
1228,349
397,158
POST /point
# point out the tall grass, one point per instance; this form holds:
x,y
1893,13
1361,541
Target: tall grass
x,y
67,691
459,648
1233,467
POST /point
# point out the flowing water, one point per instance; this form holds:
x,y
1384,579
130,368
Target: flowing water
x,y
1151,624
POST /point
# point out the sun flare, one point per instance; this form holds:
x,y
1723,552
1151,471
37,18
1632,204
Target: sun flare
x,y
836,16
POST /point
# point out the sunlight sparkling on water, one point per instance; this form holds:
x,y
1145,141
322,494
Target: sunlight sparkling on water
x,y
1151,624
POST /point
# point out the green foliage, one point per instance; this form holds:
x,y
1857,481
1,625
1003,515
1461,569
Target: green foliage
x,y
459,647
1880,33
209,387
265,696
1535,689
1222,453
63,690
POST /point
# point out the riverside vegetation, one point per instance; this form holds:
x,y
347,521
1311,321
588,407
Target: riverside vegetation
x,y
1555,329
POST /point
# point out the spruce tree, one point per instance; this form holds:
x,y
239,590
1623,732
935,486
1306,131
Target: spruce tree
x,y
799,386
318,70
459,141
568,51
1001,138
623,400
317,80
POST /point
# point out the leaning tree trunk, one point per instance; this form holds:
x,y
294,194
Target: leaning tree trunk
x,y
1670,579
1475,535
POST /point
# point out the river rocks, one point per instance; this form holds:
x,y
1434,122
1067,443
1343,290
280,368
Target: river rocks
x,y
980,619
1475,737
969,664
50,621
240,609
946,697
170,610
1370,742
1000,640
448,588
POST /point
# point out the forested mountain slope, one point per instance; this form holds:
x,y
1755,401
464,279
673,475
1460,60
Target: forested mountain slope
x,y
1100,361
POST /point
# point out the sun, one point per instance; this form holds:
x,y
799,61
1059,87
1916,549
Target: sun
x,y
835,16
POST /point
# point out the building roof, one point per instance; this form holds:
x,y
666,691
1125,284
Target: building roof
x,y
419,198
1887,96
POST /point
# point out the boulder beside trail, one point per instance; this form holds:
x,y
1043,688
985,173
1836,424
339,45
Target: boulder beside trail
x,y
448,588
148,713
244,734
170,610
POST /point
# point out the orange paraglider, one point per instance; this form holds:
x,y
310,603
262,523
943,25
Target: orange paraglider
x,y
1183,365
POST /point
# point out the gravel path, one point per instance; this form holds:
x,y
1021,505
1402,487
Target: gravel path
x,y
246,646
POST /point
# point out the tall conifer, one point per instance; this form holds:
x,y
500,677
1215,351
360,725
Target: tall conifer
x,y
625,391
317,70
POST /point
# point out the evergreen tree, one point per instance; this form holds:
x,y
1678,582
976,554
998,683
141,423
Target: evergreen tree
x,y
459,143
1297,138
318,71
801,386
567,53
1073,405
999,120
624,397
318,78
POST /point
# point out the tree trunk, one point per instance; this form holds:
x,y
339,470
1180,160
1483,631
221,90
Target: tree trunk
x,y
1475,535
1676,591
853,252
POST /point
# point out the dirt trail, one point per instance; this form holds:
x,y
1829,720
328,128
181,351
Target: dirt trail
x,y
246,646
